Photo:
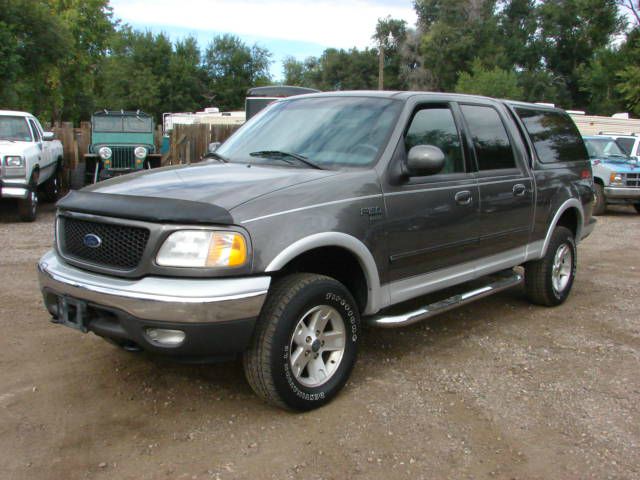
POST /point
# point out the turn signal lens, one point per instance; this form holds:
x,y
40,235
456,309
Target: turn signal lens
x,y
227,250
616,179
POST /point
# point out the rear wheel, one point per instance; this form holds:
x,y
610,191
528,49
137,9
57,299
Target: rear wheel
x,y
548,281
599,201
305,342
28,207
53,187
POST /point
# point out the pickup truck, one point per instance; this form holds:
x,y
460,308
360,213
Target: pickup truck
x,y
616,176
323,212
31,161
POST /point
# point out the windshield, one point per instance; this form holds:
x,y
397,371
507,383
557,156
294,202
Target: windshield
x,y
15,129
119,124
603,147
329,131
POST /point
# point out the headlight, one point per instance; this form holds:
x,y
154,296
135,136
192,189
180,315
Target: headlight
x,y
140,152
202,248
616,179
14,161
105,153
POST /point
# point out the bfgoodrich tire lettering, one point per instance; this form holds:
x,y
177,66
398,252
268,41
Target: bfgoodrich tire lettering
x,y
268,364
548,281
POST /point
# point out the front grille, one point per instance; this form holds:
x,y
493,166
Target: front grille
x,y
633,180
120,246
123,157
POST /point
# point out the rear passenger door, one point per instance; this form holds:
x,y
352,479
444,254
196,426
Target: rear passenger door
x,y
504,180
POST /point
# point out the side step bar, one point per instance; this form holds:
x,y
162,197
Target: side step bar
x,y
497,285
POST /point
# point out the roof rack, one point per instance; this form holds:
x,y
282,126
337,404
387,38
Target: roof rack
x,y
625,134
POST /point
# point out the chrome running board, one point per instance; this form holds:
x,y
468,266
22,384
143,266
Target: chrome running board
x,y
498,283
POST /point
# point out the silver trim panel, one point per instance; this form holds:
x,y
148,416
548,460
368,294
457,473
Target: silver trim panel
x,y
622,192
158,298
14,192
571,203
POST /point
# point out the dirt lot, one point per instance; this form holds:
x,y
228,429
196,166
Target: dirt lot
x,y
498,389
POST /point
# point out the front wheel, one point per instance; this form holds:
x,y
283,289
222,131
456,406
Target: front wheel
x,y
599,200
305,343
637,207
53,187
28,207
548,281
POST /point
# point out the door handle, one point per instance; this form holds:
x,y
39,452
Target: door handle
x,y
519,190
463,197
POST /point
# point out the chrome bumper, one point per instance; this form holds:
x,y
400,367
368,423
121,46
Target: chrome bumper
x,y
14,192
175,300
622,192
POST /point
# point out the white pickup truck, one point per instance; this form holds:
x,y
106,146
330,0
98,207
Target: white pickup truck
x,y
31,162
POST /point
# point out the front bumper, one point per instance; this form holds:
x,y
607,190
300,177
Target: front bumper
x,y
621,193
216,315
13,190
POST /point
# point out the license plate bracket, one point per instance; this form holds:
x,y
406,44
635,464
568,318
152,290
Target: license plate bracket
x,y
72,313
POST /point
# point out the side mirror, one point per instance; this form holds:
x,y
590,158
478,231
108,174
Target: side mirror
x,y
48,136
425,160
213,147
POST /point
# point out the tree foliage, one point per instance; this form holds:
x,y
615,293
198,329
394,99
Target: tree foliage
x,y
64,59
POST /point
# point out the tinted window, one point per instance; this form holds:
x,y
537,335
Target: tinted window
x,y
490,138
435,126
554,135
626,144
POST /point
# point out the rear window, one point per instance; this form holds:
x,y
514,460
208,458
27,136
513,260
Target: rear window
x,y
554,135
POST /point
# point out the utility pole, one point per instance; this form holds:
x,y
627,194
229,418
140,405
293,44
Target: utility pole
x,y
381,66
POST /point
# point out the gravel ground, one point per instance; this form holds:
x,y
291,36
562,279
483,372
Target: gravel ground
x,y
497,389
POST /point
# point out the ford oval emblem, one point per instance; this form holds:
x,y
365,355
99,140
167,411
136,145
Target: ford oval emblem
x,y
91,240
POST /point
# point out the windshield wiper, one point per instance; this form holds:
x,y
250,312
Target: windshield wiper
x,y
276,154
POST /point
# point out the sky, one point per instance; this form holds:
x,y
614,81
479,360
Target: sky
x,y
300,28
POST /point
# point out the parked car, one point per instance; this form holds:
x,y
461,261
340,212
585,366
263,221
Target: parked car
x,y
616,175
260,97
325,210
121,142
31,161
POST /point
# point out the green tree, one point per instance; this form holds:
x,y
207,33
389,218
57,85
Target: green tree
x,y
492,82
232,68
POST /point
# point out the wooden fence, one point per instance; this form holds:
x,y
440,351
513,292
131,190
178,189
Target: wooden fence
x,y
189,143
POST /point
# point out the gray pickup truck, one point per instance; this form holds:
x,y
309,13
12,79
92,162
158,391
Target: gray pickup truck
x,y
323,212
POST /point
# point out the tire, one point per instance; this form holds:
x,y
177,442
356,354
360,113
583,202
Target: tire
x,y
294,303
637,207
53,187
547,282
599,201
77,178
28,207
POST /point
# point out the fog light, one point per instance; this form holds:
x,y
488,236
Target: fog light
x,y
165,337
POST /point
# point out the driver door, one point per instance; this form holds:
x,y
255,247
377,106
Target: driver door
x,y
433,220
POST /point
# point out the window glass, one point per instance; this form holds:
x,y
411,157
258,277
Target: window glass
x,y
329,131
554,135
490,138
137,124
435,126
626,144
14,129
603,147
107,124
36,132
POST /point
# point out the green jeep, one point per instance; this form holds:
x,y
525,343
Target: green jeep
x,y
121,142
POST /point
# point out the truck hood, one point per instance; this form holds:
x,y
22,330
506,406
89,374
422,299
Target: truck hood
x,y
618,165
226,185
12,148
